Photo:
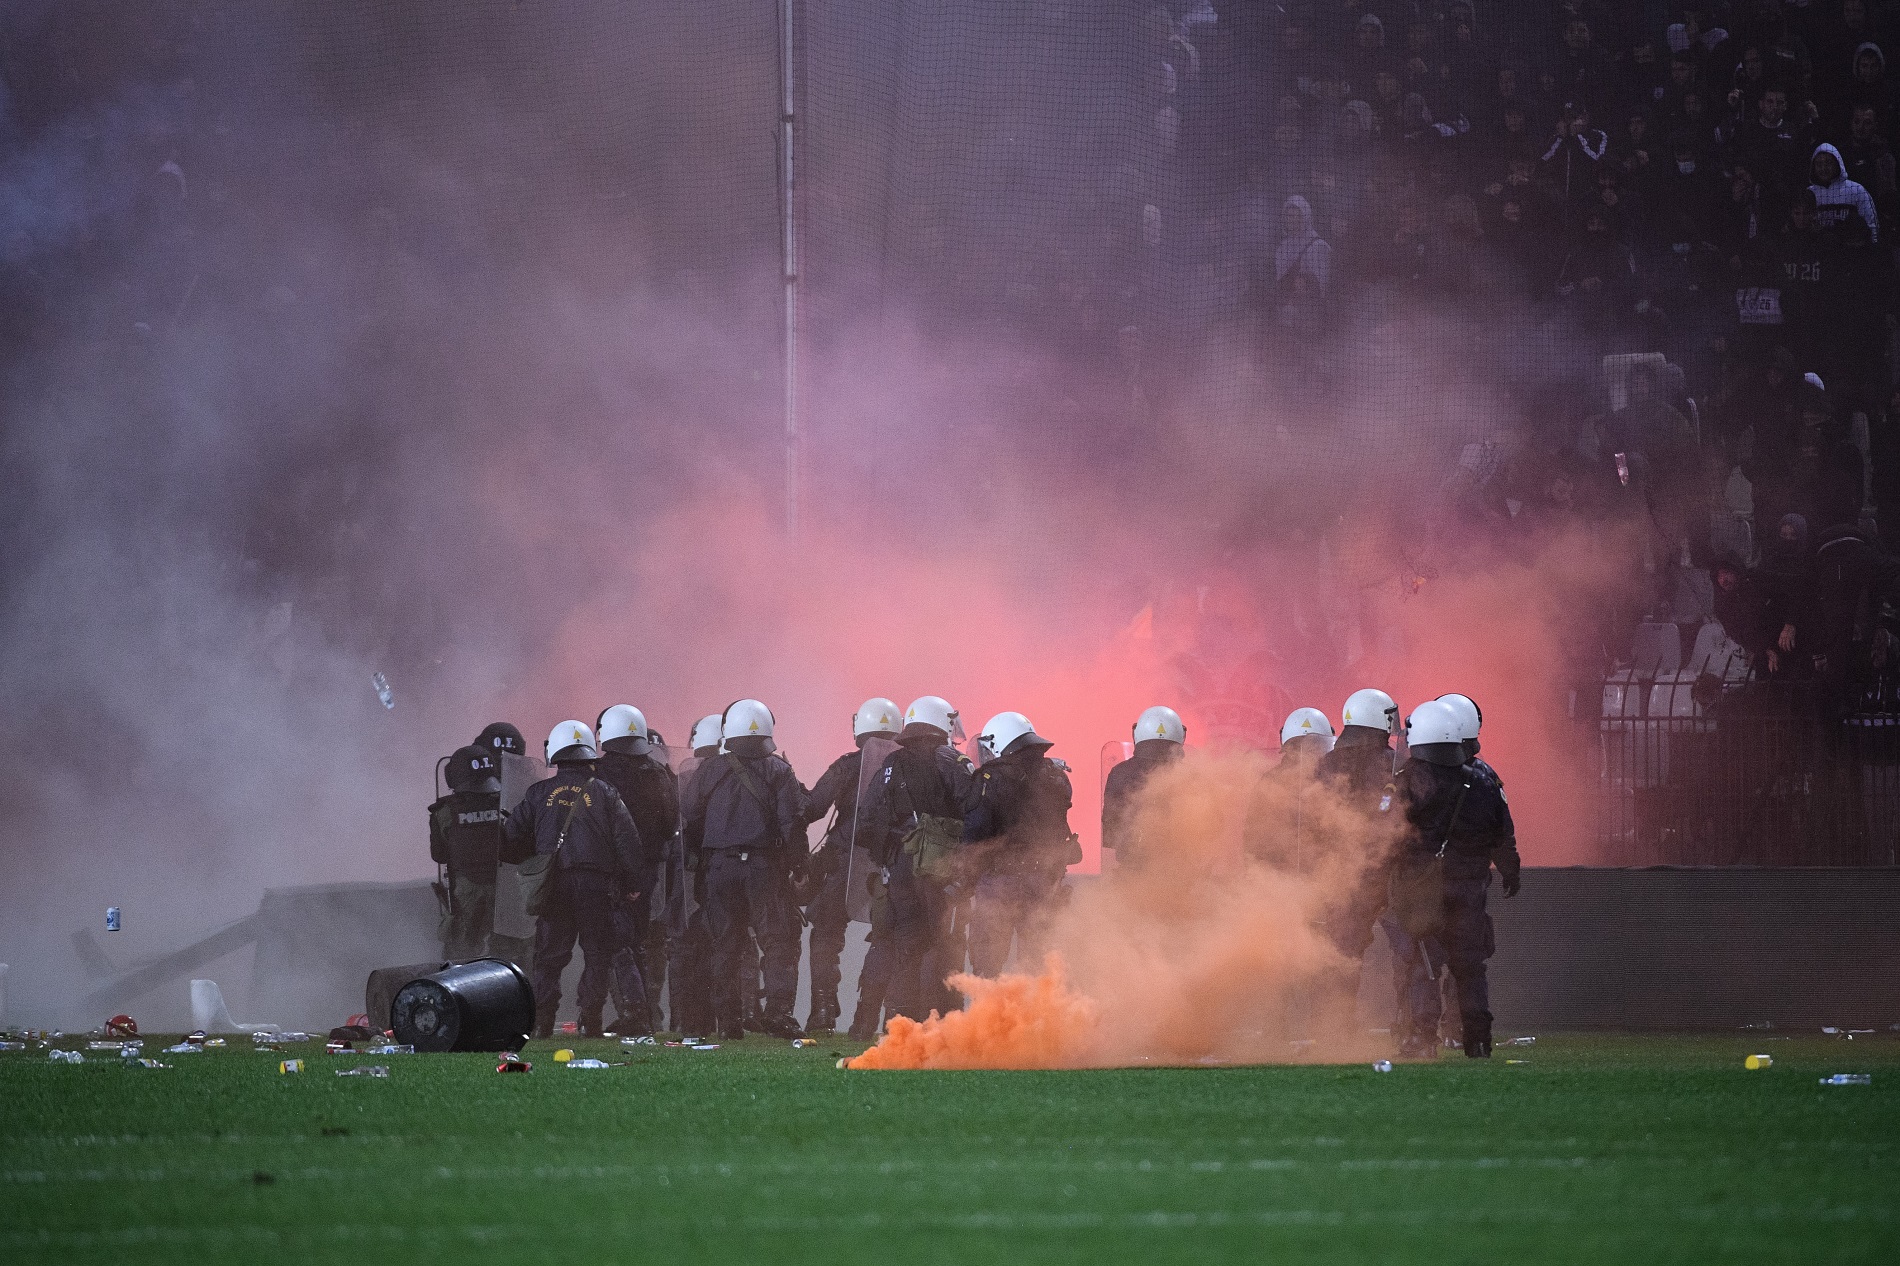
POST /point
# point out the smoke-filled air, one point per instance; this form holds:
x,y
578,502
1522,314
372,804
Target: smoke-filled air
x,y
334,350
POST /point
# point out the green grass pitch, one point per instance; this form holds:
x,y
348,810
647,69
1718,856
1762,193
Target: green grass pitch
x,y
1594,1149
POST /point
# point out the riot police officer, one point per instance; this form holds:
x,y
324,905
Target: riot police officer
x,y
912,823
465,837
499,736
1277,831
1360,766
597,863
1456,827
1360,771
836,792
688,939
651,793
1018,842
1160,740
745,813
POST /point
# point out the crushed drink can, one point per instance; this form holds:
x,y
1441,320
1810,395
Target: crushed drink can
x,y
112,918
1754,1062
563,1055
513,1063
1381,1065
289,1065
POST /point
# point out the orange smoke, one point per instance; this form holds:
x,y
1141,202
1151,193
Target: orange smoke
x,y
1217,948
1011,1022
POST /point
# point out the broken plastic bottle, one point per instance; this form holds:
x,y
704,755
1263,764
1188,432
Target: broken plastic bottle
x,y
1849,1079
366,1070
383,692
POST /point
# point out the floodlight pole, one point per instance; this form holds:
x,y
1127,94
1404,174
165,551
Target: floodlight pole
x,y
788,250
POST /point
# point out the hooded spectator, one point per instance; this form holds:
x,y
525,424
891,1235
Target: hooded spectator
x,y
1835,195
1302,270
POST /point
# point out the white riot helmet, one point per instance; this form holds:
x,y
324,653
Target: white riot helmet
x,y
933,711
876,716
1160,723
624,721
1306,723
1470,718
1431,734
748,718
1372,710
570,741
706,731
1007,732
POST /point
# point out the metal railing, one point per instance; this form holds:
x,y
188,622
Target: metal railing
x,y
1744,773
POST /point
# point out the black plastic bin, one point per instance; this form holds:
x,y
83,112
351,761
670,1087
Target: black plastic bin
x,y
486,1005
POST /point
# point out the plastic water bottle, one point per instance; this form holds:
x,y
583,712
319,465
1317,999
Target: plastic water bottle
x,y
588,1063
66,1057
366,1070
1838,1079
383,692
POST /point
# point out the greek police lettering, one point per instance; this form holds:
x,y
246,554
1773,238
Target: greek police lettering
x,y
561,797
478,816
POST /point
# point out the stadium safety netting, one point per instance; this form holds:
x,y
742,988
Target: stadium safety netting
x,y
1543,268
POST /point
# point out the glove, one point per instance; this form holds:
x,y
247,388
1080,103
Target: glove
x,y
1512,882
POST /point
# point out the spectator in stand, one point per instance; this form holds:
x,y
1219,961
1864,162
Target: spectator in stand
x,y
1738,219
1585,72
1689,187
1467,63
1368,54
1784,576
1749,81
1773,147
1597,273
1869,159
1835,196
1745,609
1302,270
1871,84
1702,127
1570,162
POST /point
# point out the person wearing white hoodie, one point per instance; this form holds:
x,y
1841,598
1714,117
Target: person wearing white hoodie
x,y
1835,194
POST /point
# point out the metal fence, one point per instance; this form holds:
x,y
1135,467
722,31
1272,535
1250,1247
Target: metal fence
x,y
1744,774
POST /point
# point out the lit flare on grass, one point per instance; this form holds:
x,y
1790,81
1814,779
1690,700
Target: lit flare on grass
x,y
1013,1021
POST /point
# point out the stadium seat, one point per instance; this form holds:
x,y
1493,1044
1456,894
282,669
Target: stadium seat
x,y
1656,649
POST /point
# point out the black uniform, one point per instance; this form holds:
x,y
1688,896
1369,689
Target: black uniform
x,y
688,938
836,790
1359,770
465,836
745,811
1456,813
599,861
912,948
651,793
1017,834
1120,830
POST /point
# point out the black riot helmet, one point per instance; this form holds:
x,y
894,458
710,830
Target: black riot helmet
x,y
470,766
502,737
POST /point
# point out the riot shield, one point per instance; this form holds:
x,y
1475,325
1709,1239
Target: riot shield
x,y
518,773
858,862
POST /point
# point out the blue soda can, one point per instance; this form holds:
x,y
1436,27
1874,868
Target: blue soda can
x,y
112,918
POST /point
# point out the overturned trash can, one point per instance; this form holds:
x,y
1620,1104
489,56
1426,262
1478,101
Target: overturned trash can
x,y
486,1005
